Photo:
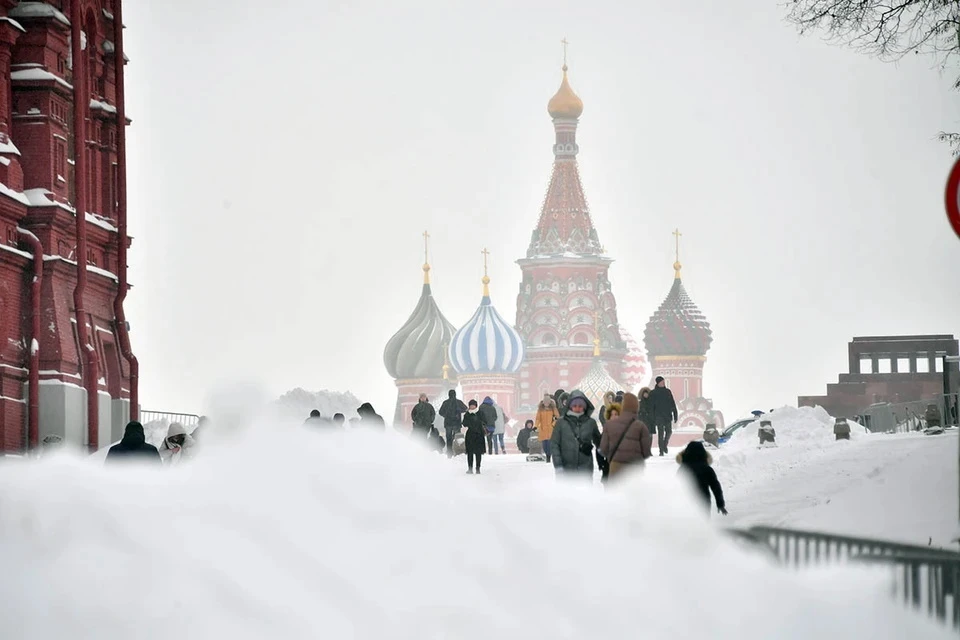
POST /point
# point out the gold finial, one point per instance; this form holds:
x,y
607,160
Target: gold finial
x,y
676,265
486,278
596,330
426,258
446,362
565,103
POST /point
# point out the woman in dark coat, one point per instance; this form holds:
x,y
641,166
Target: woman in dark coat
x,y
696,462
475,438
645,414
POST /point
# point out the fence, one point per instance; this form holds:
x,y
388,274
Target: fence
x,y
186,419
910,416
924,578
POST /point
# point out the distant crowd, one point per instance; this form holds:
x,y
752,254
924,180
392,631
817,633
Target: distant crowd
x,y
563,432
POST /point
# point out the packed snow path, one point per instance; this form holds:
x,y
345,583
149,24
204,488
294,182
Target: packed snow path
x,y
902,488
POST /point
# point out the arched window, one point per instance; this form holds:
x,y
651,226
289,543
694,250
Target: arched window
x,y
548,340
580,338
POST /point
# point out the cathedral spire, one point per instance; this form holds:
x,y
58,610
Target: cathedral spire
x,y
565,225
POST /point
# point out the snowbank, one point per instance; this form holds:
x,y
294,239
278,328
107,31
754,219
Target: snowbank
x,y
286,532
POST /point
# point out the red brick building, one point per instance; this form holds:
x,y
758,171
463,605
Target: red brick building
x,y
66,367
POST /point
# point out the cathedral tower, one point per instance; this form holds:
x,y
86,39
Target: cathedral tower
x,y
416,355
565,283
677,338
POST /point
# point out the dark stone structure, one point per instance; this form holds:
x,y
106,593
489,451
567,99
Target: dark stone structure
x,y
890,369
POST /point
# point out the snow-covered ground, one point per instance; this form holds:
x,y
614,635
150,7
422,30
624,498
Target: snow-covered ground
x,y
285,532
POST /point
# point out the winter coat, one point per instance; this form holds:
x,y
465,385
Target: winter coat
x,y
369,417
488,414
134,447
523,438
501,423
547,414
663,406
645,413
451,410
172,453
574,437
695,460
476,437
423,415
636,444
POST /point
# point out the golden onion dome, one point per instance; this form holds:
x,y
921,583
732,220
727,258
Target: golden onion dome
x,y
565,103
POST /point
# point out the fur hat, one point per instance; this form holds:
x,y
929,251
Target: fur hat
x,y
611,408
643,390
631,404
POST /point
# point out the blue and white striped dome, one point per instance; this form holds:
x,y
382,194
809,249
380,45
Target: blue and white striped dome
x,y
487,343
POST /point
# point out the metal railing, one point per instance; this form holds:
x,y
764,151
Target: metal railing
x,y
186,419
902,417
924,578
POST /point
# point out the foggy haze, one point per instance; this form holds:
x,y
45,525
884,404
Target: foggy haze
x,y
285,160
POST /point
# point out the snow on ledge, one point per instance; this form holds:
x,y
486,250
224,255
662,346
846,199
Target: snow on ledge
x,y
101,222
13,23
38,74
102,106
41,198
103,272
19,252
38,10
16,195
7,146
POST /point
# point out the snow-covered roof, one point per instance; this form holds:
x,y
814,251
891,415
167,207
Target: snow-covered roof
x,y
38,74
38,10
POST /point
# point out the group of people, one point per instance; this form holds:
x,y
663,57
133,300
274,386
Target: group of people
x,y
620,438
176,447
366,417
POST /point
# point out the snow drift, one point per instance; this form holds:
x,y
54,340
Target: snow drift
x,y
287,532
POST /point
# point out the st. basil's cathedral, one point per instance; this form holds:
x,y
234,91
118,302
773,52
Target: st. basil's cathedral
x,y
567,333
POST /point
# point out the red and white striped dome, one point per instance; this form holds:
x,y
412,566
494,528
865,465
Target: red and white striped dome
x,y
636,372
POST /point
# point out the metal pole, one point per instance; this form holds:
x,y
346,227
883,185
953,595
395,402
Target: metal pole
x,y
947,389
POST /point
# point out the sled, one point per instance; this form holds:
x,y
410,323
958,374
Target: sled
x,y
536,457
933,431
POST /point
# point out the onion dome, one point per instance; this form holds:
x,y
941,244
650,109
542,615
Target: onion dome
x,y
678,328
636,368
565,103
487,343
418,349
597,381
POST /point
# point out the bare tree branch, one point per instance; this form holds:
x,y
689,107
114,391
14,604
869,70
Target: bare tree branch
x,y
888,30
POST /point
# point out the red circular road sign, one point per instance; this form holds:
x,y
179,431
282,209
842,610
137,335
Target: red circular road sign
x,y
953,197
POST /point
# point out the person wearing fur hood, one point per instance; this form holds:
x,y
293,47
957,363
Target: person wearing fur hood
x,y
476,437
575,435
695,460
608,399
625,441
177,446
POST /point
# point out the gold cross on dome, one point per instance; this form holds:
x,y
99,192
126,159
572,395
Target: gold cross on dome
x,y
485,254
564,43
677,234
426,246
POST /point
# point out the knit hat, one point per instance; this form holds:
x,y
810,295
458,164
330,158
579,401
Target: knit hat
x,y
659,379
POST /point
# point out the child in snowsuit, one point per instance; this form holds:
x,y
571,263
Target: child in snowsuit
x,y
524,437
695,461
475,438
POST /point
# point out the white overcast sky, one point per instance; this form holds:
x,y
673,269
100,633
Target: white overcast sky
x,y
286,157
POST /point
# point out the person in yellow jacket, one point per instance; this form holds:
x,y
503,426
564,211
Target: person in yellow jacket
x,y
547,414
